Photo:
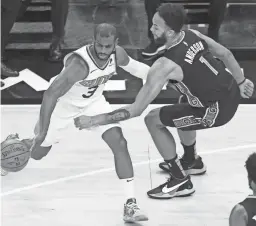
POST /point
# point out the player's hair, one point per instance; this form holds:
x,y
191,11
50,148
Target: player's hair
x,y
250,165
105,30
174,15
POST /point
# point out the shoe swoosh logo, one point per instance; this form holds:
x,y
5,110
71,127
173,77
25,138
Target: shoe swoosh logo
x,y
167,190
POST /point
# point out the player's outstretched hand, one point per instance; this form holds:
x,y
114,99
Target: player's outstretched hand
x,y
83,122
246,88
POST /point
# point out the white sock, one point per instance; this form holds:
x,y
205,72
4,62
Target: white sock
x,y
128,187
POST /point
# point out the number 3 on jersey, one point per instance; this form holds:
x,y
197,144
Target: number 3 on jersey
x,y
204,61
90,92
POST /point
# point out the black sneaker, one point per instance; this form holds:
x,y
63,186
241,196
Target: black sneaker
x,y
197,167
173,188
152,50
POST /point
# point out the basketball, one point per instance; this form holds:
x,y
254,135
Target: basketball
x,y
14,155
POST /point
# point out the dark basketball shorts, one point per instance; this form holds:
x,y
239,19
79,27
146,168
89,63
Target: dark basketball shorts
x,y
185,117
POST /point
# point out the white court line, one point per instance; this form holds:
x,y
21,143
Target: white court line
x,y
17,190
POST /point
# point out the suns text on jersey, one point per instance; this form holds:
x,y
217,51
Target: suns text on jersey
x,y
192,51
98,81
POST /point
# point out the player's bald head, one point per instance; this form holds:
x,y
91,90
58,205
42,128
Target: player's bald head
x,y
105,30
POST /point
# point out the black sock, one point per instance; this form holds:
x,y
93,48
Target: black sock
x,y
189,152
176,168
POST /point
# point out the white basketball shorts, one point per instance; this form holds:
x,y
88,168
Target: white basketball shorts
x,y
63,118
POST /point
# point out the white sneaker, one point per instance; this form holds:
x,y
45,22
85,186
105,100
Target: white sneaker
x,y
3,172
132,212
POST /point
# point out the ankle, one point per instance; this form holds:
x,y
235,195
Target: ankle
x,y
189,152
176,169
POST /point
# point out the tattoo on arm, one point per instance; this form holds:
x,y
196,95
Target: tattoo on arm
x,y
118,115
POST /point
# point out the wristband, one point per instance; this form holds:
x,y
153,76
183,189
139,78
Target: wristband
x,y
241,82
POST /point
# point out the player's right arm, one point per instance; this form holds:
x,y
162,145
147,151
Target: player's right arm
x,y
75,70
238,216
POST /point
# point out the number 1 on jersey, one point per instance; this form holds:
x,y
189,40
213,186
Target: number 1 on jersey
x,y
204,61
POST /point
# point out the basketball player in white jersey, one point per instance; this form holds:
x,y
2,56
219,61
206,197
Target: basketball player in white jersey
x,y
78,90
244,213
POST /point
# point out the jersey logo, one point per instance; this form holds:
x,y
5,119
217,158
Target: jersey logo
x,y
96,82
185,43
110,62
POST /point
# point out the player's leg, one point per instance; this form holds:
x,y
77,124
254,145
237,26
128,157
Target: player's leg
x,y
191,162
124,169
113,136
179,183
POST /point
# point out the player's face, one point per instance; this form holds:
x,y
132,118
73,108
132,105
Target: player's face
x,y
104,46
252,185
158,29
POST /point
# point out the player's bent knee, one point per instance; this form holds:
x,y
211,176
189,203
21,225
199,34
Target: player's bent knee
x,y
153,118
39,153
114,138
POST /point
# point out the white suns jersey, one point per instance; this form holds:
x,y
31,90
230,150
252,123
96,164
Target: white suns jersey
x,y
91,88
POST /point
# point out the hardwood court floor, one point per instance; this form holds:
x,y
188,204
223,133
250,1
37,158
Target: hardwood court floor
x,y
76,185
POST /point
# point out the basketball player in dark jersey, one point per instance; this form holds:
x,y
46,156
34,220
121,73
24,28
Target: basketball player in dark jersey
x,y
244,213
210,95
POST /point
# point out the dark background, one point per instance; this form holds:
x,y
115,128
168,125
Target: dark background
x,y
31,36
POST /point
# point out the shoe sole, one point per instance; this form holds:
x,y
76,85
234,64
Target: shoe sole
x,y
184,193
136,219
190,171
196,171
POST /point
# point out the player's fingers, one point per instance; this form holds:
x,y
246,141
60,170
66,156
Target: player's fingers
x,y
249,94
246,95
249,90
249,86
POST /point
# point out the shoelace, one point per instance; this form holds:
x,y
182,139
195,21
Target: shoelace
x,y
133,206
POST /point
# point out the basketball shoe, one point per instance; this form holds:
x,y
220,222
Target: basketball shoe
x,y
132,212
3,172
174,187
194,167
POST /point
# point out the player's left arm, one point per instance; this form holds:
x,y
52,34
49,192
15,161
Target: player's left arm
x,y
246,86
238,216
134,67
161,71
